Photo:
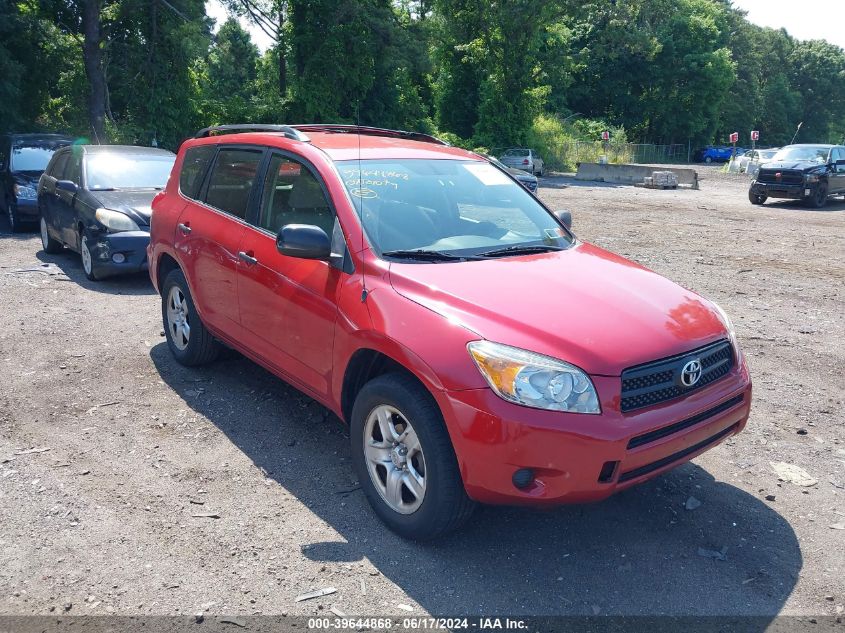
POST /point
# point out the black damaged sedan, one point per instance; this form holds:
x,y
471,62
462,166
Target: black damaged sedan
x,y
95,200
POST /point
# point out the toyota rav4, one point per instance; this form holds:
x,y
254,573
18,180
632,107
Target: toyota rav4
x,y
478,351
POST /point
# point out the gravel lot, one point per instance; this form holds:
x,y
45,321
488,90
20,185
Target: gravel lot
x,y
106,519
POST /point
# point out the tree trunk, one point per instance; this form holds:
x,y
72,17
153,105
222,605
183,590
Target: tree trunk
x,y
92,57
283,70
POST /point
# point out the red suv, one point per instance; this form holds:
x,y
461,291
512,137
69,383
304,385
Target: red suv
x,y
477,349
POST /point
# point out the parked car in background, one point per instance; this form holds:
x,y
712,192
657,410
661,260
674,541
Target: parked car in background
x,y
750,161
529,181
524,159
478,351
23,158
716,153
95,199
805,172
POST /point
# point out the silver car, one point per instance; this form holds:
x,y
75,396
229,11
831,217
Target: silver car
x,y
524,159
750,162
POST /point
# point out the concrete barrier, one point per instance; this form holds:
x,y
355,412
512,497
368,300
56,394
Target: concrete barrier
x,y
632,174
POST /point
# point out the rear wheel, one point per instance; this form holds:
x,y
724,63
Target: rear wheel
x,y
404,459
47,242
187,337
756,198
819,197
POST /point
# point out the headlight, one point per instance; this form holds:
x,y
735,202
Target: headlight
x,y
729,326
26,192
534,380
811,178
115,221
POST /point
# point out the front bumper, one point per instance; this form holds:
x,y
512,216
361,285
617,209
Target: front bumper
x,y
27,209
580,458
129,248
779,190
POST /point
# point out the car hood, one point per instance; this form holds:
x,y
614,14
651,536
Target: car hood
x,y
801,165
135,204
29,178
583,305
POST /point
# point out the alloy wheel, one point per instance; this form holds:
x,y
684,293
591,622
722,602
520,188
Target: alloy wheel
x,y
177,318
87,260
394,459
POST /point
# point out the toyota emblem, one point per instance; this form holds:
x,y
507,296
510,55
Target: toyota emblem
x,y
691,373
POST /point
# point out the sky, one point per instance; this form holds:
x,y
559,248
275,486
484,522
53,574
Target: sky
x,y
803,19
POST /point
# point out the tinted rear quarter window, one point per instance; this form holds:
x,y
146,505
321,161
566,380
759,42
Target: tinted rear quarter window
x,y
194,167
230,182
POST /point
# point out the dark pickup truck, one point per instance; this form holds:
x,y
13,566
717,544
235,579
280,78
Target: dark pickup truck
x,y
810,173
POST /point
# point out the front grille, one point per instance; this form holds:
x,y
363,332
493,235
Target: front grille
x,y
787,176
659,434
674,457
659,381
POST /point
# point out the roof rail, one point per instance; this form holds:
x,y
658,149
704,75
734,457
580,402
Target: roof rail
x,y
286,130
338,128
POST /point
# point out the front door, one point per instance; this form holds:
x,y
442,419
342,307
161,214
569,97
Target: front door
x,y
287,305
838,171
65,201
209,232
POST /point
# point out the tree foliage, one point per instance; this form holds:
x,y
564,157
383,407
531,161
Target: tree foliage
x,y
483,73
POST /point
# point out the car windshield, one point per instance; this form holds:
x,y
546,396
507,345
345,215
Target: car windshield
x,y
451,208
804,154
767,154
516,152
129,171
32,158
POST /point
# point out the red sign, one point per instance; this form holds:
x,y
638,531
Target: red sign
x,y
605,136
734,137
755,135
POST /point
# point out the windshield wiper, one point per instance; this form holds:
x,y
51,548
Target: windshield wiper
x,y
428,256
520,250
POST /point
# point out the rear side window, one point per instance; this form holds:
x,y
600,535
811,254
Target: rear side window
x,y
194,167
231,180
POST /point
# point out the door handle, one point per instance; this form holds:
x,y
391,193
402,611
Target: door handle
x,y
247,259
185,228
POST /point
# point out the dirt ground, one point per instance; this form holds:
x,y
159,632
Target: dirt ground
x,y
104,516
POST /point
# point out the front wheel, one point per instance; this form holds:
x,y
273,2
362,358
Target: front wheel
x,y
47,242
708,160
756,198
187,337
404,459
87,258
819,198
12,216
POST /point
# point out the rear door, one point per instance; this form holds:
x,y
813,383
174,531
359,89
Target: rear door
x,y
48,196
288,305
209,232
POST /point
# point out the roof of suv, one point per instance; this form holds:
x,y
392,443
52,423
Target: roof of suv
x,y
348,145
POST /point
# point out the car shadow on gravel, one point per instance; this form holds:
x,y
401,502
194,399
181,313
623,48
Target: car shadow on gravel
x,y
71,265
837,204
639,553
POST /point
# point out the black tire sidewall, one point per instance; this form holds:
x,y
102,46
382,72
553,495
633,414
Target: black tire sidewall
x,y
819,198
442,473
195,353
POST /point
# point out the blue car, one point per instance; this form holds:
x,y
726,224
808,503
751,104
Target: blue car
x,y
716,153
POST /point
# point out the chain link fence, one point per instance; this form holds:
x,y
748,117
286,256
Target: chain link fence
x,y
566,156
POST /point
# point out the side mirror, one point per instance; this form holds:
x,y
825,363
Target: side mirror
x,y
304,241
66,185
565,217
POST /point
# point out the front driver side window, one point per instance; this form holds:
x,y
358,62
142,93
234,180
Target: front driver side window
x,y
293,195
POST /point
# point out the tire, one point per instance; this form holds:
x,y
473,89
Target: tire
x,y
87,257
757,198
194,346
819,198
49,245
443,505
708,160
